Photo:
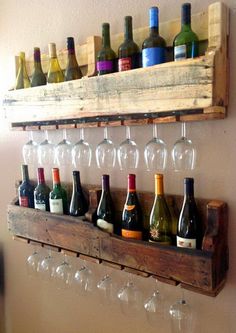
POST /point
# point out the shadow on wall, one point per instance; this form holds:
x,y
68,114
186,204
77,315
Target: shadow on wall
x,y
1,290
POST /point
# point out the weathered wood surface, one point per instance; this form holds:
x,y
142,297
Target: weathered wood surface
x,y
202,270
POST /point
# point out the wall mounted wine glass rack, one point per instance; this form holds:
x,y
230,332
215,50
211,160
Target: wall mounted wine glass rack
x,y
189,90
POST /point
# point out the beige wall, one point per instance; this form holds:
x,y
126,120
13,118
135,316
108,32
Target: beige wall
x,y
31,306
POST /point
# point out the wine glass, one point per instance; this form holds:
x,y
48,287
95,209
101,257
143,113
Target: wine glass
x,y
106,152
181,315
46,266
46,153
106,289
183,152
83,279
154,307
81,152
155,152
128,153
29,151
62,273
63,151
32,262
130,298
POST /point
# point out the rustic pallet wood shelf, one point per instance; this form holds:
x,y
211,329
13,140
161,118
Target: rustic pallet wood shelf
x,y
193,89
203,271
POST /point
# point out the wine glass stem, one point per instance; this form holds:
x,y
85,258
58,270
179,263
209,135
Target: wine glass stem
x,y
128,132
64,134
46,135
183,130
82,134
31,136
155,131
105,133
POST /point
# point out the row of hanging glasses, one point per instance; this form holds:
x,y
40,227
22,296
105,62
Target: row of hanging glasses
x,y
81,277
127,154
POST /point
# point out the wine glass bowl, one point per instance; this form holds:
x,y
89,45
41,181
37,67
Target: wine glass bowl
x,y
46,267
46,152
81,152
105,287
183,153
63,151
32,262
130,299
181,317
62,274
155,153
154,308
105,152
128,153
83,280
29,151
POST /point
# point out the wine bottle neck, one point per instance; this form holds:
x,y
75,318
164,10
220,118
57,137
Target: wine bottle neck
x,y
41,179
56,177
106,35
186,16
25,173
52,50
128,35
131,184
188,187
105,183
154,20
159,186
76,182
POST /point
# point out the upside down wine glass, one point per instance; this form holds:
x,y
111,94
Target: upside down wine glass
x,y
81,152
183,152
29,151
128,153
63,151
155,152
154,307
106,152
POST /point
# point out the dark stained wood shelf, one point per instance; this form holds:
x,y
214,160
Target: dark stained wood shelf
x,y
203,271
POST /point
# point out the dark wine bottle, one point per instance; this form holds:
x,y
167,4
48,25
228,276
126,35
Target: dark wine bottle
x,y
72,71
186,42
105,211
154,47
106,56
26,189
41,193
128,52
78,204
58,197
160,217
189,227
132,218
55,74
22,78
38,77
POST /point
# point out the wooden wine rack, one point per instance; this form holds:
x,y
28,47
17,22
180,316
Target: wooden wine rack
x,y
189,90
203,271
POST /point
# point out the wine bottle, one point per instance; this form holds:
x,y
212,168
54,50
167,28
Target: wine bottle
x,y
105,211
58,197
132,219
174,219
22,79
186,42
78,204
26,189
72,71
38,77
55,74
41,193
160,218
154,47
189,226
128,52
106,56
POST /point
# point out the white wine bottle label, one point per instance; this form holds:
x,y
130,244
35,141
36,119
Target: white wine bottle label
x,y
186,242
56,206
105,225
180,52
39,205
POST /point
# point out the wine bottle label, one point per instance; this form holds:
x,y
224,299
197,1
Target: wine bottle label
x,y
56,206
105,65
104,225
186,242
132,234
153,56
129,207
39,205
180,52
124,64
24,201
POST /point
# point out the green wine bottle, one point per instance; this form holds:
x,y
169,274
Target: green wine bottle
x,y
105,211
160,218
58,198
41,193
154,47
22,78
128,52
186,42
55,74
106,56
72,71
132,218
38,77
189,232
78,204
